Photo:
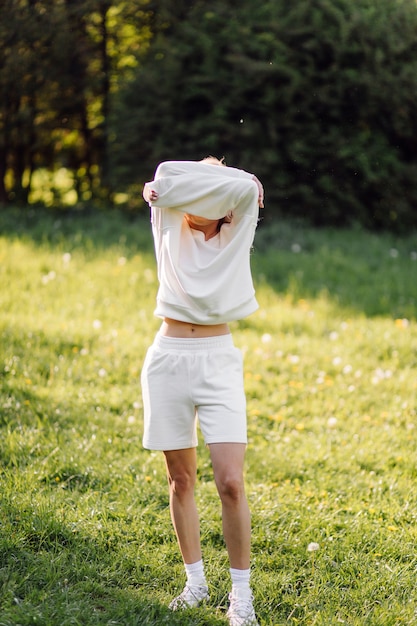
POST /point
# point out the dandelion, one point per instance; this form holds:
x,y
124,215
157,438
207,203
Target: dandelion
x,y
332,422
393,253
266,338
413,256
334,336
48,277
102,372
66,258
121,261
97,324
313,547
380,374
296,248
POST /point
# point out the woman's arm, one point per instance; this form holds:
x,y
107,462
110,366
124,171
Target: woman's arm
x,y
260,190
176,168
200,188
206,196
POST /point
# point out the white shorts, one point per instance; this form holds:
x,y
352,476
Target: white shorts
x,y
183,379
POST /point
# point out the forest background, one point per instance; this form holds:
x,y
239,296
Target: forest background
x,y
319,99
317,96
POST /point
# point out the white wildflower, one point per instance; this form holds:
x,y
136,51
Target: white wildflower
x,y
313,547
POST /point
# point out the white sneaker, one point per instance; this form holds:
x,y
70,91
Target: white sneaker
x,y
191,596
241,611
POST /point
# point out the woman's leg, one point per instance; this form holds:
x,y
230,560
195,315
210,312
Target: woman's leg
x,y
181,471
227,460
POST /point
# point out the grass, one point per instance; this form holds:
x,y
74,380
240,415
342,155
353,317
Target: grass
x,y
330,368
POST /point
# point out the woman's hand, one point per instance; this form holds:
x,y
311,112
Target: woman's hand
x,y
149,194
261,191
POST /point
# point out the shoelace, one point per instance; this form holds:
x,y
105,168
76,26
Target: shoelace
x,y
188,595
243,608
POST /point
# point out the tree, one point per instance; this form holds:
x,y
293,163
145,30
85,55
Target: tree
x,y
318,96
57,73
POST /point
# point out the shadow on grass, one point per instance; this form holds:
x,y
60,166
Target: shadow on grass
x,y
91,229
53,574
52,577
374,274
362,272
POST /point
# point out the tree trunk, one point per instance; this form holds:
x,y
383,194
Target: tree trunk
x,y
3,168
105,68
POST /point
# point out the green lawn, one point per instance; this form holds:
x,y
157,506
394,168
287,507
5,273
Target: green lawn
x,y
331,379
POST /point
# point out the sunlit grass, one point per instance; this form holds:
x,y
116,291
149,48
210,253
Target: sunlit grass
x,y
330,372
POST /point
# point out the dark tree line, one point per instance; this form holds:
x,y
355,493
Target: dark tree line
x,y
317,96
60,62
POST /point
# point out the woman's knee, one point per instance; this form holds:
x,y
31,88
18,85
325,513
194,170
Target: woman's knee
x,y
181,472
182,483
231,488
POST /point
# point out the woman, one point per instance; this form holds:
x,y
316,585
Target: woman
x,y
204,217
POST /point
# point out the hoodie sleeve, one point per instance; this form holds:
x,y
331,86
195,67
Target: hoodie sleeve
x,y
203,189
174,168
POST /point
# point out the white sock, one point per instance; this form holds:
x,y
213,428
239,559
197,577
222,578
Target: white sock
x,y
195,574
240,581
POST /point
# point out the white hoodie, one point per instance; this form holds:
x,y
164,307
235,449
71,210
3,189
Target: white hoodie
x,y
204,282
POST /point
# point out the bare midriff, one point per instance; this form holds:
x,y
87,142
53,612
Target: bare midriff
x,y
175,328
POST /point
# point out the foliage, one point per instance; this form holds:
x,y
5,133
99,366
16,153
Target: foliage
x,y
330,361
317,97
60,62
